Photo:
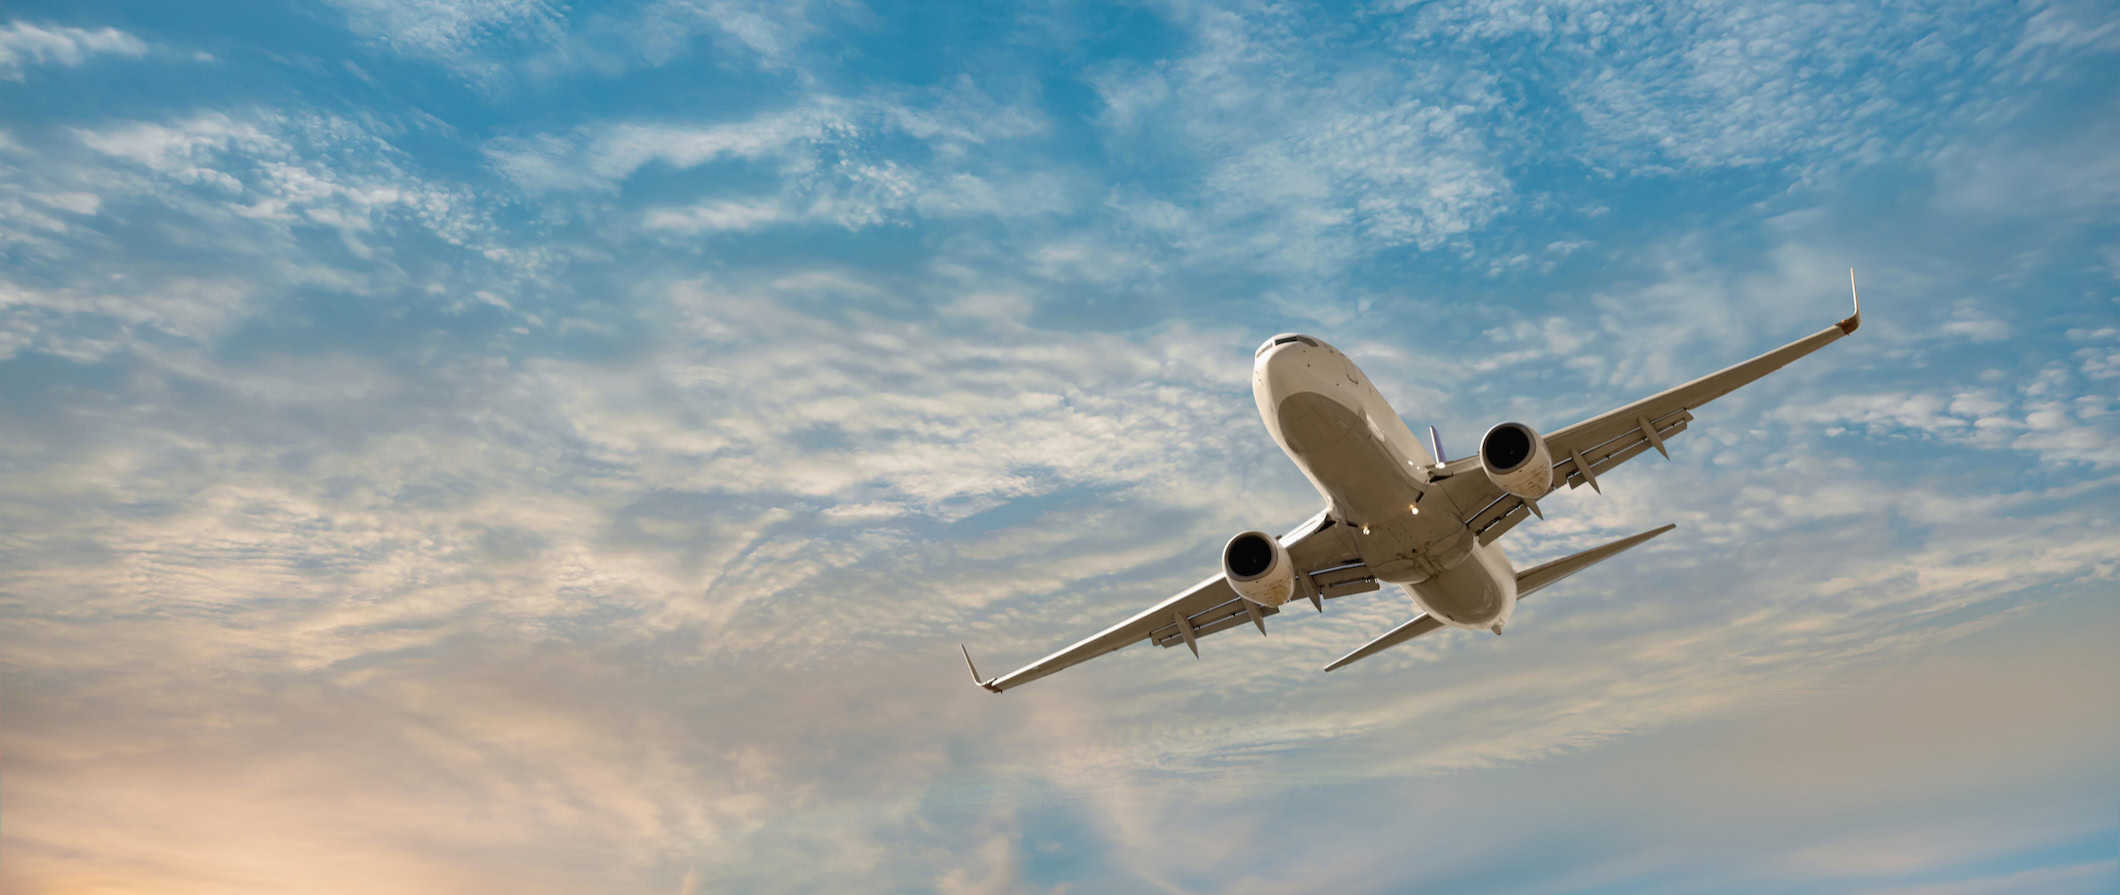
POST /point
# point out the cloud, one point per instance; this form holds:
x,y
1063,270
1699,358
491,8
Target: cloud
x,y
174,149
24,44
451,26
574,490
1311,160
555,703
2008,177
507,45
820,145
599,158
2075,431
1715,84
610,548
202,195
715,217
813,158
867,196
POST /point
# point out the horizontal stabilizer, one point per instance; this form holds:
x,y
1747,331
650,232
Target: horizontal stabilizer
x,y
1421,624
1539,576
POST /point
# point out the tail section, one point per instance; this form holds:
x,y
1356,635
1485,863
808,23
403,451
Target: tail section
x,y
1529,580
1539,576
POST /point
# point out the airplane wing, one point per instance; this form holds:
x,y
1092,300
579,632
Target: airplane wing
x,y
1327,565
1599,443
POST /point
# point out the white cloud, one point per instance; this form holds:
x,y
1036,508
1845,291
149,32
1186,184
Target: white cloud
x,y
814,155
601,157
2058,34
273,167
447,27
477,582
23,44
504,43
2082,430
2000,176
46,319
186,149
716,217
1711,84
1310,158
1971,322
656,583
220,192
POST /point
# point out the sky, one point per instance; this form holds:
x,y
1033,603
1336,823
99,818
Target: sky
x,y
472,446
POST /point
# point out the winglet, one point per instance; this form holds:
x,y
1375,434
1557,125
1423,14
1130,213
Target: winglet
x,y
1854,320
988,685
1436,441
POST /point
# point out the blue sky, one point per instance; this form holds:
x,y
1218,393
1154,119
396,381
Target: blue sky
x,y
501,445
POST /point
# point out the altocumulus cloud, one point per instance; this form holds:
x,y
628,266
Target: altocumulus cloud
x,y
512,446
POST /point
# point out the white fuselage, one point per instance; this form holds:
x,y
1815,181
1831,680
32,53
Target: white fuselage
x,y
1374,476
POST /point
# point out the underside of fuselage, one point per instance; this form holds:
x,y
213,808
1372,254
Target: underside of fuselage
x,y
1372,472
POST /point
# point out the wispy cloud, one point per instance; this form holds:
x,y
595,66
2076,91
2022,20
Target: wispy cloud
x,y
26,44
812,156
572,443
504,44
716,216
1398,156
452,26
601,157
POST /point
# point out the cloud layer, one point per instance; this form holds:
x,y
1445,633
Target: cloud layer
x,y
509,446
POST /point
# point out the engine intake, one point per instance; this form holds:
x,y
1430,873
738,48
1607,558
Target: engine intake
x,y
1514,457
1258,568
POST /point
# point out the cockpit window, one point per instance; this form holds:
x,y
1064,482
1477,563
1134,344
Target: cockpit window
x,y
1285,339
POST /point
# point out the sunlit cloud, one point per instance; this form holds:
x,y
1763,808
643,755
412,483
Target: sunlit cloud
x,y
557,449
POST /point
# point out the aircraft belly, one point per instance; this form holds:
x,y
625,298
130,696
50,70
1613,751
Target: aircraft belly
x,y
1469,594
1347,460
1363,478
1408,549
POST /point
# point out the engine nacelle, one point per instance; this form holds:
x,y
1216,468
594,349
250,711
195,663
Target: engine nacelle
x,y
1514,457
1258,568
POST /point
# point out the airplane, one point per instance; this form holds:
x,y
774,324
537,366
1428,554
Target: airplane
x,y
1397,512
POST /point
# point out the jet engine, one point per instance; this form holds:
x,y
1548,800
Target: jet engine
x,y
1514,457
1258,568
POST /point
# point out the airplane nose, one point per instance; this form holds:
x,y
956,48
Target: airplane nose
x,y
1283,364
1267,347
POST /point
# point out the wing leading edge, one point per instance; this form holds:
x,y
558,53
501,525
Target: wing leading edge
x,y
1602,442
1327,566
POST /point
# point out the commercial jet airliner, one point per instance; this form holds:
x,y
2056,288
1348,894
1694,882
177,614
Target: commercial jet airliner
x,y
1395,513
